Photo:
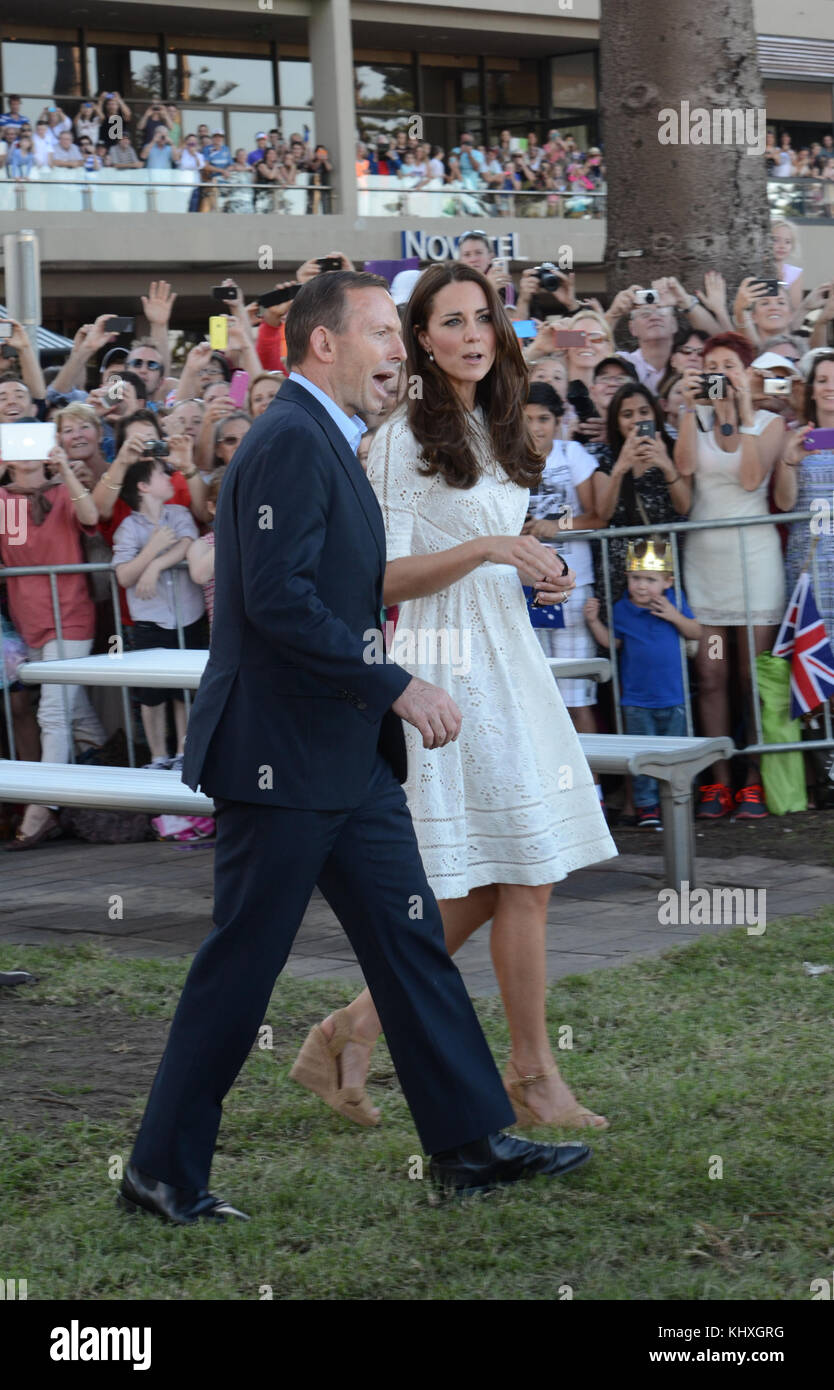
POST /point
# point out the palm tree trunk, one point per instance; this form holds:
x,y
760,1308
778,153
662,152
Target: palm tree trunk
x,y
671,75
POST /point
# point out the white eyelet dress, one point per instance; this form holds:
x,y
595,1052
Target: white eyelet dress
x,y
512,800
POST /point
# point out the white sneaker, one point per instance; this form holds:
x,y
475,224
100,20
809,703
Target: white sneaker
x,y
158,765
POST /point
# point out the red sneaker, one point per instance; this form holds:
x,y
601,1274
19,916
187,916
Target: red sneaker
x,y
716,801
751,803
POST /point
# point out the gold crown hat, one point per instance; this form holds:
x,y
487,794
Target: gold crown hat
x,y
653,554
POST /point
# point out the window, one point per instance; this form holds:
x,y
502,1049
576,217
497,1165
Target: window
x,y
513,92
132,72
573,82
384,86
244,126
206,77
43,69
295,82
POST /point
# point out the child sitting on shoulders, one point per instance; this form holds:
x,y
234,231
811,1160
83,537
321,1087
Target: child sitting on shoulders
x,y
647,625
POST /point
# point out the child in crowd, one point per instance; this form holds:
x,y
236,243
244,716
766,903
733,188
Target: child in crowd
x,y
201,554
148,544
646,626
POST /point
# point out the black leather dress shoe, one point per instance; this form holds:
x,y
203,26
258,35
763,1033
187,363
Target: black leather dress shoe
x,y
139,1191
498,1159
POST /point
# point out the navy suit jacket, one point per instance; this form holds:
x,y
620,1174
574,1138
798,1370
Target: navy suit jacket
x,y
295,702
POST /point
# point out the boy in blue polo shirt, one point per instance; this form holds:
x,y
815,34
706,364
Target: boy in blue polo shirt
x,y
647,626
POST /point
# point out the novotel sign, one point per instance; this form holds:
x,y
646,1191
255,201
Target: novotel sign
x,y
437,246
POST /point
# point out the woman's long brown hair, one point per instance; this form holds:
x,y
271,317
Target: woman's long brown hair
x,y
438,418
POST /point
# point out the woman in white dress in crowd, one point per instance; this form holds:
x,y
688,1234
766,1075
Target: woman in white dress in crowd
x,y
729,451
509,808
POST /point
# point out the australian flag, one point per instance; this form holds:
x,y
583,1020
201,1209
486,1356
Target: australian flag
x,y
802,638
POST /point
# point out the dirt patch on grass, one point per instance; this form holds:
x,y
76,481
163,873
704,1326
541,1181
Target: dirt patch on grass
x,y
71,1063
807,837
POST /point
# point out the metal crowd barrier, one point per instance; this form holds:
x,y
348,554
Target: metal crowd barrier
x,y
673,529
100,567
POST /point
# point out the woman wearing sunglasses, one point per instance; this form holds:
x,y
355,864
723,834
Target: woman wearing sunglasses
x,y
510,807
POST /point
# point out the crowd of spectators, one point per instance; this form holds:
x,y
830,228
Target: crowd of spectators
x,y
617,405
106,133
556,177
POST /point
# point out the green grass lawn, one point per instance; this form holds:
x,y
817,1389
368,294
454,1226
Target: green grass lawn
x,y
719,1049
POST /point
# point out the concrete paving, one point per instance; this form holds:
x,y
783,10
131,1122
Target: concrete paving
x,y
601,916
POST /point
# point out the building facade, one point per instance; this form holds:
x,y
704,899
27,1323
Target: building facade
x,y
333,71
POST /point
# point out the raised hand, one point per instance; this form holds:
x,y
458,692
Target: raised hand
x,y
158,303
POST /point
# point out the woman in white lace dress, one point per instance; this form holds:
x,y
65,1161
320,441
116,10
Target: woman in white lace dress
x,y
510,807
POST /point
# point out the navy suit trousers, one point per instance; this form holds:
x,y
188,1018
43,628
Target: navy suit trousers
x,y
367,865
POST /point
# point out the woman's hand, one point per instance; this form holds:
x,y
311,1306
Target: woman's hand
x,y
131,452
740,394
59,463
537,564
218,409
83,472
181,452
657,455
795,451
749,291
629,455
692,386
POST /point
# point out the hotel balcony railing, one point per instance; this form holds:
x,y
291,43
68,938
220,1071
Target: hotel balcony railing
x,y
801,198
181,190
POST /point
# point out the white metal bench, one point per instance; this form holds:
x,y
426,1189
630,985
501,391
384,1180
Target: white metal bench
x,y
180,669
158,667
674,762
103,788
595,668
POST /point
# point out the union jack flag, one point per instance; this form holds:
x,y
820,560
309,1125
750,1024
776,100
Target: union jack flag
x,y
802,638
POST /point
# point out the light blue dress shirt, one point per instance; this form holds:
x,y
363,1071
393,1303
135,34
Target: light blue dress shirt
x,y
351,426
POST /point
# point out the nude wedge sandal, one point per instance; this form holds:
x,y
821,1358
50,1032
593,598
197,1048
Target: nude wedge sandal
x,y
317,1069
577,1117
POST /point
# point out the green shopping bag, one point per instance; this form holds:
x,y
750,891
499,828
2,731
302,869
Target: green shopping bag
x,y
783,774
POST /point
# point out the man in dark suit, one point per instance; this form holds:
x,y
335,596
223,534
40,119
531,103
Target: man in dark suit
x,y
296,732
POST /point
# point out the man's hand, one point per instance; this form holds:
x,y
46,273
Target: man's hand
x,y
431,711
310,269
160,539
158,302
622,303
714,294
147,582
